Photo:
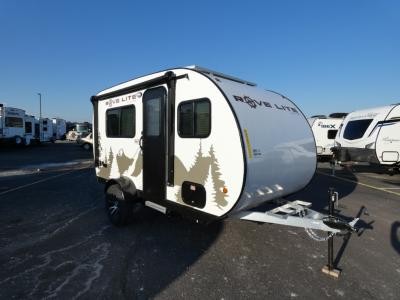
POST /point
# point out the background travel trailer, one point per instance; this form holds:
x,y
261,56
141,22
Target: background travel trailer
x,y
200,142
325,129
30,130
371,135
59,128
46,130
12,125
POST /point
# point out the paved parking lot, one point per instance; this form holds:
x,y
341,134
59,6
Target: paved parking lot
x,y
56,241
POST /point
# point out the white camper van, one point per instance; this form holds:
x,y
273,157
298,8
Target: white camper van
x,y
12,125
371,135
46,130
79,130
202,143
325,130
30,130
59,128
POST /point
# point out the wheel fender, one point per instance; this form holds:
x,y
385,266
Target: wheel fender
x,y
127,186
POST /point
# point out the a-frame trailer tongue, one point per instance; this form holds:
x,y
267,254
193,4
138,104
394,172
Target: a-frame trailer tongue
x,y
298,214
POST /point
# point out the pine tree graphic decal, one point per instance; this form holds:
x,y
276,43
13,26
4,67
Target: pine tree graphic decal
x,y
198,173
219,184
106,171
123,162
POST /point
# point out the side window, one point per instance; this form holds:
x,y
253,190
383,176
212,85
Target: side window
x,y
356,129
194,118
14,122
120,122
28,127
332,134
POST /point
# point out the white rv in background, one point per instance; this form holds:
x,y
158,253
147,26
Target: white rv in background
x,y
325,129
79,130
46,130
30,136
204,144
59,128
371,135
12,125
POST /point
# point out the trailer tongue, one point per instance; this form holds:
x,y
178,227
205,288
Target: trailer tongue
x,y
298,214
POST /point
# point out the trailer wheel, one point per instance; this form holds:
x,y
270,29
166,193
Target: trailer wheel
x,y
18,140
119,209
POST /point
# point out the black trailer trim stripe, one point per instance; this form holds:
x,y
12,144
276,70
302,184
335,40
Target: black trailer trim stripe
x,y
167,77
383,123
171,131
95,132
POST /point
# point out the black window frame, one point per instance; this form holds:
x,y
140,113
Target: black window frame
x,y
30,126
362,124
193,136
329,134
119,125
7,120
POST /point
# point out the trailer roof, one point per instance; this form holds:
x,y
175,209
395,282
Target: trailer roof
x,y
221,75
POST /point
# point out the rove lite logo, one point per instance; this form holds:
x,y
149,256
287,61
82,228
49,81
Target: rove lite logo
x,y
125,98
253,103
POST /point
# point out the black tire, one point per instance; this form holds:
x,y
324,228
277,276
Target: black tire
x,y
119,209
18,140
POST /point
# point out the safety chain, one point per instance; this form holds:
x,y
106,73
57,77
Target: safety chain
x,y
312,234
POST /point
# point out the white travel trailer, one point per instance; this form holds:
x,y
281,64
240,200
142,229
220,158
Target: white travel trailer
x,y
46,130
371,135
59,128
30,136
325,130
202,143
12,125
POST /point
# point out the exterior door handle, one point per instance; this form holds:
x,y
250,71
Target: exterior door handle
x,y
141,142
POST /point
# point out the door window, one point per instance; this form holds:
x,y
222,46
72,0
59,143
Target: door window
x,y
153,111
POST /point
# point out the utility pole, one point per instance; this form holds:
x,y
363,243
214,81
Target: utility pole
x,y
40,105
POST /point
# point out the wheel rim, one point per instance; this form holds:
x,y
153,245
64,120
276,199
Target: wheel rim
x,y
18,140
113,207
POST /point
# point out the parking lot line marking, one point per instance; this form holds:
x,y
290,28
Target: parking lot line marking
x,y
39,181
360,183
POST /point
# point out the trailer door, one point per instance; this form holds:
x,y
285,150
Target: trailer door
x,y
154,144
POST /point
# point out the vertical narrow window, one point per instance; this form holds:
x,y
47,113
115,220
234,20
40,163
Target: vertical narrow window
x,y
202,115
153,118
28,127
186,123
127,121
